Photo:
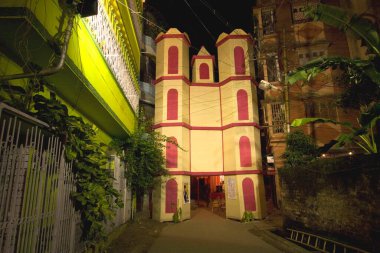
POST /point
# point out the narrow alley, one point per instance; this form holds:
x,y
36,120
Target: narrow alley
x,y
207,232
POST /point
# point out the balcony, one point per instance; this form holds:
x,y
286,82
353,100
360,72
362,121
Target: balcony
x,y
150,46
310,33
99,78
111,38
147,92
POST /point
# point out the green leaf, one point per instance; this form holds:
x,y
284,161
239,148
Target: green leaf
x,y
372,73
370,117
15,89
304,121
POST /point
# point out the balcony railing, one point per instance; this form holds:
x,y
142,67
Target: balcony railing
x,y
150,45
106,31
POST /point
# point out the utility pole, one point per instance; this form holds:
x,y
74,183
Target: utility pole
x,y
286,85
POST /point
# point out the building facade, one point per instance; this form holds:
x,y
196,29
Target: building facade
x,y
99,78
85,54
287,39
215,124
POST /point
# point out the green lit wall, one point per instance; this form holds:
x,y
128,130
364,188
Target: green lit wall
x,y
8,67
86,83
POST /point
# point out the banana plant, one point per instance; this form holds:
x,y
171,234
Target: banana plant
x,y
361,27
363,136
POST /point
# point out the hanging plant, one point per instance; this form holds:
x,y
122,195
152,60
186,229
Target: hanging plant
x,y
142,153
95,197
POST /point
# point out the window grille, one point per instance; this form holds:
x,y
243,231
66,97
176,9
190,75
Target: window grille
x,y
298,12
117,55
305,57
273,68
267,17
326,110
278,117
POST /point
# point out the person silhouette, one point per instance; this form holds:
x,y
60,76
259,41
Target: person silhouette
x,y
207,194
185,194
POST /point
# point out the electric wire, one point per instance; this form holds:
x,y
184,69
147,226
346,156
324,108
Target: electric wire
x,y
151,22
208,108
164,30
199,19
216,14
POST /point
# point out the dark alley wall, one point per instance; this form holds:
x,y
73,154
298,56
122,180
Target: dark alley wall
x,y
343,204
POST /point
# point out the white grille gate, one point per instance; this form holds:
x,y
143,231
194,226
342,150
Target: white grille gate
x,y
36,213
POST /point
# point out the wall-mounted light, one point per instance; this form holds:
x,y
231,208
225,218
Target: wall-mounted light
x,y
265,85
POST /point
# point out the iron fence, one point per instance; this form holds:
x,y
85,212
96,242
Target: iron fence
x,y
36,212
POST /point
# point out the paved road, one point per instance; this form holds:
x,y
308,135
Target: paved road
x,y
207,232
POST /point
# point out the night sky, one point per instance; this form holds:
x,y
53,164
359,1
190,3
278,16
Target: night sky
x,y
228,16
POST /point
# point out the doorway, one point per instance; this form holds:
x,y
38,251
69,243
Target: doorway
x,y
208,192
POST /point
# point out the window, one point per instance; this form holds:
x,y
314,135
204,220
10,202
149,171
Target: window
x,y
298,12
239,61
173,60
278,117
267,17
204,71
171,153
172,105
305,57
171,196
273,68
245,152
242,103
249,195
326,109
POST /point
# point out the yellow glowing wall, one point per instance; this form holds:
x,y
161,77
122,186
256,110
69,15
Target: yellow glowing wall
x,y
159,198
231,139
235,199
9,67
182,136
229,101
226,58
196,73
162,55
84,52
162,89
206,151
205,106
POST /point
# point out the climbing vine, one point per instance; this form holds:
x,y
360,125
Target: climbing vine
x,y
142,153
95,197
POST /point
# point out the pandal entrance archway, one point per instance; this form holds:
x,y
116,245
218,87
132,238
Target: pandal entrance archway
x,y
208,192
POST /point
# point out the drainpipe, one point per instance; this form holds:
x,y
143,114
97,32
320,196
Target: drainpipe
x,y
49,70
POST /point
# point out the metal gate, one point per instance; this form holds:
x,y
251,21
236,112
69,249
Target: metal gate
x,y
36,213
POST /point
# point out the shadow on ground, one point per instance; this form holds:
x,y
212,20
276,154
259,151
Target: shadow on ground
x,y
137,237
